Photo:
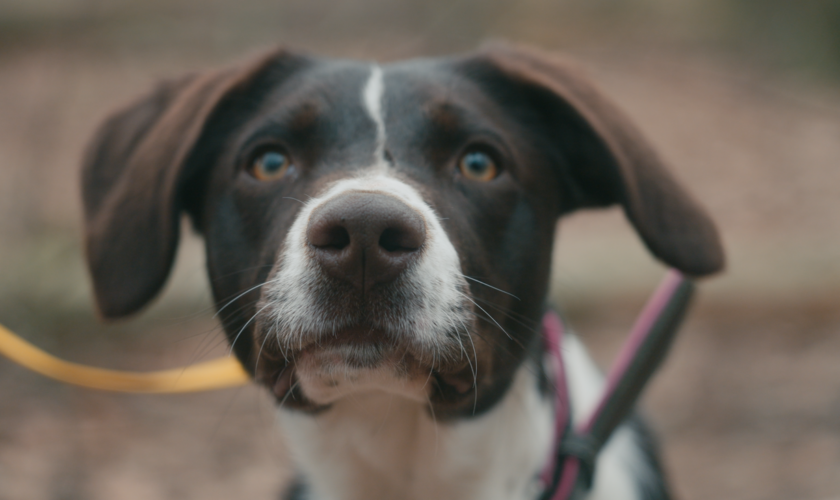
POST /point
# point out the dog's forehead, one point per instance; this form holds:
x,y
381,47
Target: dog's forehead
x,y
355,97
328,92
435,94
428,82
417,80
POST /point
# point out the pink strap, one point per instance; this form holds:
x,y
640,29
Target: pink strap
x,y
553,334
654,307
552,329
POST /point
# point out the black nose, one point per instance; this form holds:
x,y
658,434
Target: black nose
x,y
365,238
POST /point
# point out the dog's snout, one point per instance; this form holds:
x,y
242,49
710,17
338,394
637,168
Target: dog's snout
x,y
365,238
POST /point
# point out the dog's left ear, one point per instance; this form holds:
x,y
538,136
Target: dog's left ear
x,y
134,179
605,158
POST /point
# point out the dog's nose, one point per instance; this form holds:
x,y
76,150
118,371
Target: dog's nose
x,y
365,238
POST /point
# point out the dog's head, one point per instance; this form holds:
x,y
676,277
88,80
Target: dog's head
x,y
369,227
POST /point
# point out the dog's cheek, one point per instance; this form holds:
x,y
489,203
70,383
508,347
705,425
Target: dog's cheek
x,y
523,259
236,269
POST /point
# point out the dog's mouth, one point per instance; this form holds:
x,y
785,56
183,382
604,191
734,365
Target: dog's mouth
x,y
313,375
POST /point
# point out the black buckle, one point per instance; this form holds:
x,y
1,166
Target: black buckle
x,y
584,448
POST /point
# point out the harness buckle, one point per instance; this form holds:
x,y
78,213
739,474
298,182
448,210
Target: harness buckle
x,y
584,448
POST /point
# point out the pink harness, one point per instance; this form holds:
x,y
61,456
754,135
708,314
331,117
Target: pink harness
x,y
570,469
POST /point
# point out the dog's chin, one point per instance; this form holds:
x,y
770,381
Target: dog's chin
x,y
320,374
328,374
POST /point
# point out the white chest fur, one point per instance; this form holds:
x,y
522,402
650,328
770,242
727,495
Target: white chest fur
x,y
382,446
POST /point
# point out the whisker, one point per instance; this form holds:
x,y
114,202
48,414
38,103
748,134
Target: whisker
x,y
493,342
474,370
181,319
259,353
530,366
243,270
212,344
467,333
533,328
523,320
490,286
233,342
466,354
233,315
238,296
431,370
494,320
208,343
434,423
291,390
295,199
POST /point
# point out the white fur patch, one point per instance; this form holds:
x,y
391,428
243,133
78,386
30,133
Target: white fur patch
x,y
372,98
383,446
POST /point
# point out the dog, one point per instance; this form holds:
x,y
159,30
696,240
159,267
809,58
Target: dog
x,y
378,242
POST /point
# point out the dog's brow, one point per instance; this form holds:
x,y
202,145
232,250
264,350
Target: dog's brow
x,y
372,98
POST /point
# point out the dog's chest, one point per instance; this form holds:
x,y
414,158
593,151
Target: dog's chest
x,y
383,446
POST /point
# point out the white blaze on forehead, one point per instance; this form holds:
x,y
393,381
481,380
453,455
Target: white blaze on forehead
x,y
372,98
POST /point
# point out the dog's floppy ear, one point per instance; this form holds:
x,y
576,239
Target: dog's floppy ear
x,y
607,160
133,177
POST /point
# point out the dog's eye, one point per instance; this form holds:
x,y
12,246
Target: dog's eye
x,y
477,166
270,166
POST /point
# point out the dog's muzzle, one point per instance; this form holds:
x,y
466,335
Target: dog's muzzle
x,y
368,291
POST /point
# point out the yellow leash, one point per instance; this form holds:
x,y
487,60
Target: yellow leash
x,y
216,374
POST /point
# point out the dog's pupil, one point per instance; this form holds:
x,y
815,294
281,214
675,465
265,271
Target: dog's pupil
x,y
477,162
272,162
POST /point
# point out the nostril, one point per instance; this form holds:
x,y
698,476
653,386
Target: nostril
x,y
394,239
329,236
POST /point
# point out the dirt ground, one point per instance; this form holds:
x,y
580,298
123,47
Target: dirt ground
x,y
747,407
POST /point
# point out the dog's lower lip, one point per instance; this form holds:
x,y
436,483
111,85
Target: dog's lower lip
x,y
283,383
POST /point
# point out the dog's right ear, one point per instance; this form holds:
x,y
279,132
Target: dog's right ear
x,y
133,180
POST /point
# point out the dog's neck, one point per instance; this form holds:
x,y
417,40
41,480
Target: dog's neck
x,y
379,445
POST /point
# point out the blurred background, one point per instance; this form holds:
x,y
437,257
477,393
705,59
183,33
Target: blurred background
x,y
741,96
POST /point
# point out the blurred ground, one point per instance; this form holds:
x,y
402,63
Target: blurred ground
x,y
748,406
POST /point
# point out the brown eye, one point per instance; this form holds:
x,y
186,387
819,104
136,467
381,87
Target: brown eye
x,y
478,166
270,166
